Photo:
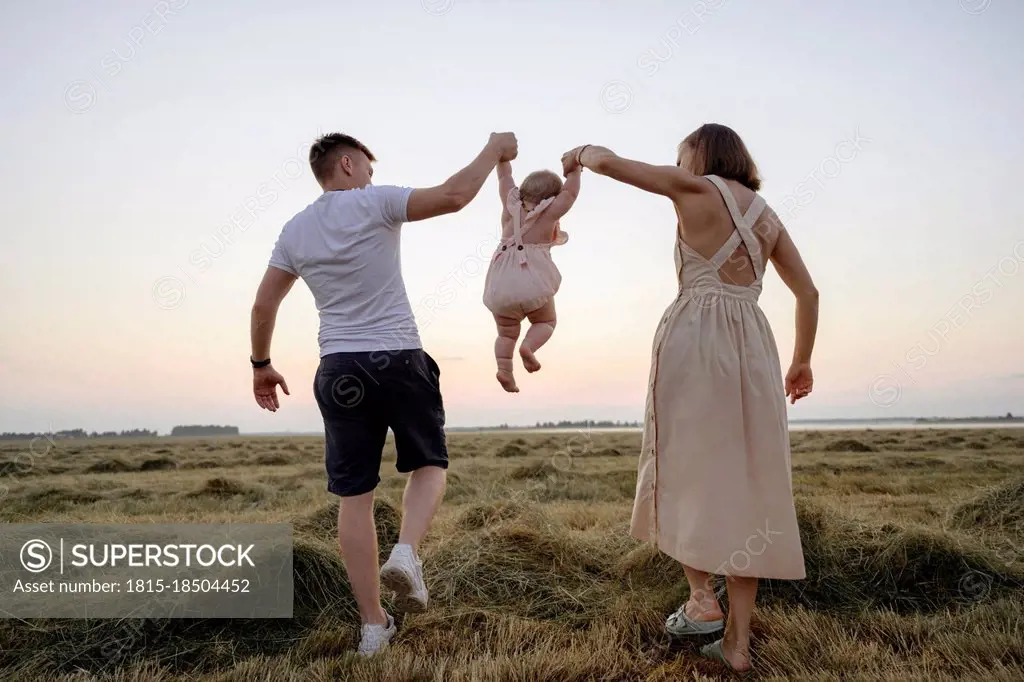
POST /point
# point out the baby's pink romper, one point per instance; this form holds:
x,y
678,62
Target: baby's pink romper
x,y
522,277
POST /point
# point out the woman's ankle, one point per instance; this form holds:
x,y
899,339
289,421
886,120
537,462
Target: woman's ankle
x,y
707,609
738,647
378,618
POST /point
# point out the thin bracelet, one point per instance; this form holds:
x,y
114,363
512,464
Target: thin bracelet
x,y
580,154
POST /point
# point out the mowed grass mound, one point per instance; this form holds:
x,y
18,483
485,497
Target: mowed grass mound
x,y
853,566
532,574
196,646
999,508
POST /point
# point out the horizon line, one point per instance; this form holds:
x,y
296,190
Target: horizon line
x,y
566,424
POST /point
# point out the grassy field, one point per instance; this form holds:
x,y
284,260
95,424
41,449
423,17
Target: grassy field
x,y
914,545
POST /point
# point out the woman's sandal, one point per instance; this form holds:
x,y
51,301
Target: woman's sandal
x,y
714,652
681,625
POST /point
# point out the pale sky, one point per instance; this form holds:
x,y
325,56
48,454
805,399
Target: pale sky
x,y
134,132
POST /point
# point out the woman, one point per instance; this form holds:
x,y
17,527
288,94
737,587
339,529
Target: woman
x,y
714,485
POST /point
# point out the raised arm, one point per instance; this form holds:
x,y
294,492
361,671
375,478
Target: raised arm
x,y
668,181
567,197
457,191
505,180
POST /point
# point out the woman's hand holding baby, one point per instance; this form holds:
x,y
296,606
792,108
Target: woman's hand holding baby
x,y
571,160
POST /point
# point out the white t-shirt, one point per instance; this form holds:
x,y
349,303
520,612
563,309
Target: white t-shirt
x,y
346,248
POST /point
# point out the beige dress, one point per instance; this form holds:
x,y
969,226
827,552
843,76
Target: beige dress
x,y
714,485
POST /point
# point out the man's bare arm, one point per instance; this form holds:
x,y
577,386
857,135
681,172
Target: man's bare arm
x,y
457,191
275,286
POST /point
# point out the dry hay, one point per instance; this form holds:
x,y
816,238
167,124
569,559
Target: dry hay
x,y
486,514
852,566
109,466
158,464
221,488
849,445
512,450
272,460
321,592
533,575
999,507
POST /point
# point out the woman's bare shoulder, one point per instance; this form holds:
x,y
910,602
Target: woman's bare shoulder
x,y
767,228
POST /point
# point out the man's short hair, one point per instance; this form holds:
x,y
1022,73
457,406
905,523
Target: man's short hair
x,y
326,151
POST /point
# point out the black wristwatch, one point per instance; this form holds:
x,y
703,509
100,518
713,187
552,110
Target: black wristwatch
x,y
261,363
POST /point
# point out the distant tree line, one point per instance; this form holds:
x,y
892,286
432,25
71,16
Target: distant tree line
x,y
939,420
79,433
194,430
190,430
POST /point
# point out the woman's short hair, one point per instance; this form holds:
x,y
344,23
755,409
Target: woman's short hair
x,y
719,150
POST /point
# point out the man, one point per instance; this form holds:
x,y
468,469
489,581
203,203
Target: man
x,y
373,373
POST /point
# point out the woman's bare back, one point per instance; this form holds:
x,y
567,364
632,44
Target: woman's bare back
x,y
705,225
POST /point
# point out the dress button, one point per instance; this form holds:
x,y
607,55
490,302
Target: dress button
x,y
520,247
503,248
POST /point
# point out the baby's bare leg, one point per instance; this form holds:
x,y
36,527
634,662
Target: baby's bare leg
x,y
542,325
504,345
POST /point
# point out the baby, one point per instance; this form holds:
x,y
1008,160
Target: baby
x,y
522,279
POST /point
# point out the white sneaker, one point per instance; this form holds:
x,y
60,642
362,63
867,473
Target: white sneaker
x,y
376,637
403,573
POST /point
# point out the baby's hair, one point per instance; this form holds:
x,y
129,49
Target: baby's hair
x,y
539,185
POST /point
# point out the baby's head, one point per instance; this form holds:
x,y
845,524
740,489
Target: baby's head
x,y
540,185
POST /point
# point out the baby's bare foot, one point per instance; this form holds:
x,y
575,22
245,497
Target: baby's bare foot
x,y
529,359
507,381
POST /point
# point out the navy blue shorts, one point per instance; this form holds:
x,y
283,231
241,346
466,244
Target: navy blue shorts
x,y
360,396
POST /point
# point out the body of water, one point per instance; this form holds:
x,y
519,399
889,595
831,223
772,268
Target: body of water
x,y
878,426
794,426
